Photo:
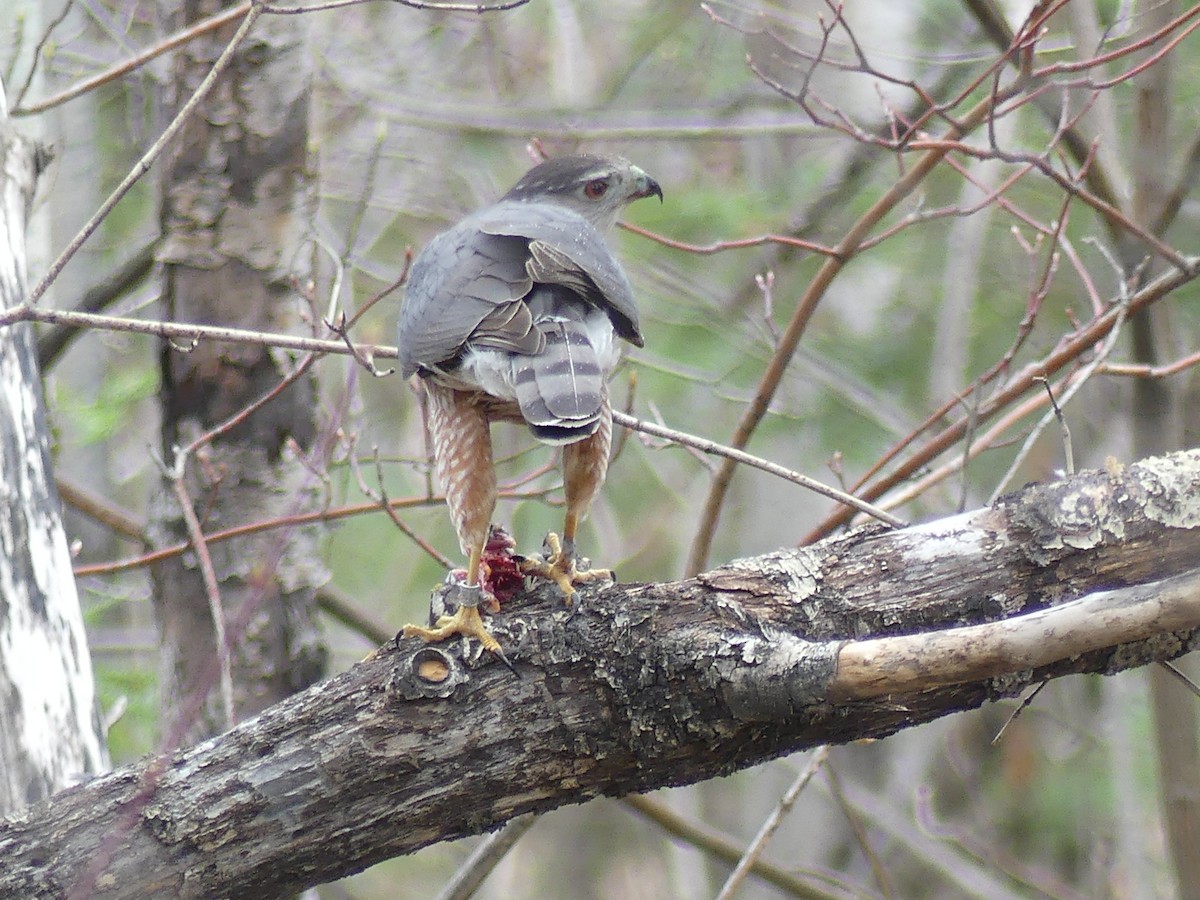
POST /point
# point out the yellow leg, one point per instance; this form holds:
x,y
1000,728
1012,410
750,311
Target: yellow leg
x,y
466,619
584,466
462,451
561,563
570,526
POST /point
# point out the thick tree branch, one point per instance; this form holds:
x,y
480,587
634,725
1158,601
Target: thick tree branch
x,y
648,685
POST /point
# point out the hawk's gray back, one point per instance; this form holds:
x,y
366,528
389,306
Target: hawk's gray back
x,y
522,300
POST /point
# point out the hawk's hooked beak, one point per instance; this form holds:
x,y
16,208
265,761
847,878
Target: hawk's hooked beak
x,y
647,186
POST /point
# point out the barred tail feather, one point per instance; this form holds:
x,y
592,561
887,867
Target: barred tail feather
x,y
560,390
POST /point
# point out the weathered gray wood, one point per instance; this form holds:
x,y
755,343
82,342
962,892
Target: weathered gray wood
x,y
238,196
49,728
648,685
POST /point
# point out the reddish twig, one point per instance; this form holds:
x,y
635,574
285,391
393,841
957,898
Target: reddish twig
x,y
252,407
380,496
1069,349
212,589
292,521
1134,370
844,251
478,8
735,244
1133,47
135,62
147,160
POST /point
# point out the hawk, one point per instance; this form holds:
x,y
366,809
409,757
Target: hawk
x,y
514,315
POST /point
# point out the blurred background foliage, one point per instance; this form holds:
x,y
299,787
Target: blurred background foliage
x,y
421,116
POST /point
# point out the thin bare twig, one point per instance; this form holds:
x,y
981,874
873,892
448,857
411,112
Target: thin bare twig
x,y
816,290
858,825
1020,708
121,281
1082,378
337,604
229,534
478,8
253,406
212,588
380,496
735,244
994,437
485,858
1068,447
740,456
186,332
143,165
772,822
117,520
1181,676
324,515
1069,349
37,55
730,851
1132,47
1145,370
135,62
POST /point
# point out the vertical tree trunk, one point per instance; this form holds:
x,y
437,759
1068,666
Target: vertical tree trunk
x,y
1157,419
237,192
50,732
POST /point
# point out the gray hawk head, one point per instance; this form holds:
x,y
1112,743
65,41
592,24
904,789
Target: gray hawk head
x,y
596,187
527,288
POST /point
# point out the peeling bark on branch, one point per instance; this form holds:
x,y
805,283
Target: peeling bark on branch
x,y
649,685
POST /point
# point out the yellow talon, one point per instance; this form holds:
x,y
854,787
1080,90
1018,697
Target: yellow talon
x,y
561,566
466,621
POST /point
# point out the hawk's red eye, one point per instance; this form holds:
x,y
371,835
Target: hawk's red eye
x,y
595,189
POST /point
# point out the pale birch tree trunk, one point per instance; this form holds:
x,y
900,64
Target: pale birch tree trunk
x,y
50,732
